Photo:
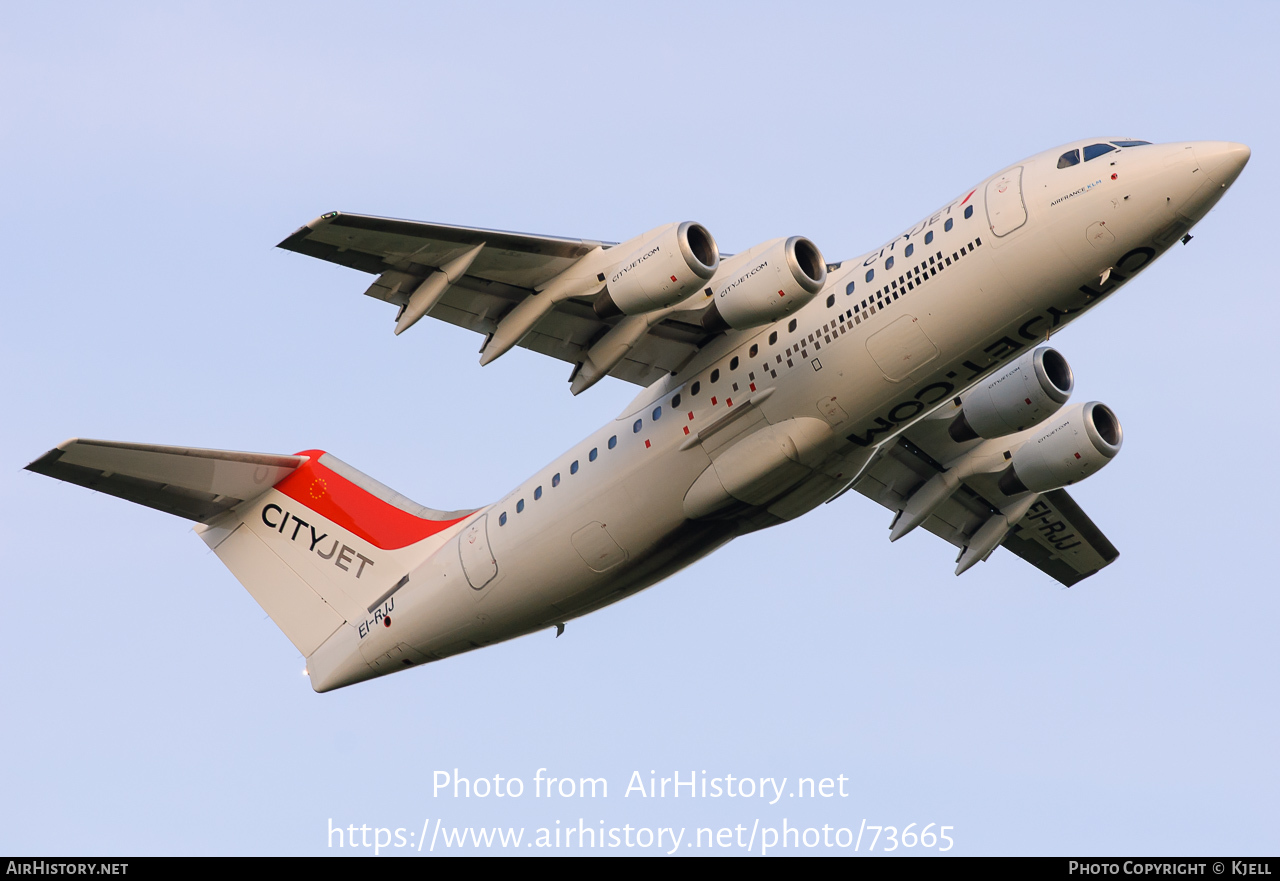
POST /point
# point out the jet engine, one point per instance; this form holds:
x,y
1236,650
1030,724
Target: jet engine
x,y
764,284
1068,448
658,269
1027,392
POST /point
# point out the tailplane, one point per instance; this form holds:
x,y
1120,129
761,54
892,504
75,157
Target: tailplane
x,y
315,542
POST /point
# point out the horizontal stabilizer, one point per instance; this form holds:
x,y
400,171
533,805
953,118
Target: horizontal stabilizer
x,y
190,482
314,541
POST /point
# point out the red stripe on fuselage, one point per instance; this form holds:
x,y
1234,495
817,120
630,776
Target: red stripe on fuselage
x,y
966,198
334,497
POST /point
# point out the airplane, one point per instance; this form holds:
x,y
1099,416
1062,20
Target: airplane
x,y
773,381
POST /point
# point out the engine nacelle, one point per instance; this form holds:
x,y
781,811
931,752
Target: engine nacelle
x,y
1070,447
658,269
764,284
1024,394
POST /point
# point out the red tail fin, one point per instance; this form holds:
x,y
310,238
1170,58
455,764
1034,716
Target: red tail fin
x,y
362,506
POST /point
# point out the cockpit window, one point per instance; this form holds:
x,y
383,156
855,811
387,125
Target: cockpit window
x,y
1132,143
1093,151
1069,158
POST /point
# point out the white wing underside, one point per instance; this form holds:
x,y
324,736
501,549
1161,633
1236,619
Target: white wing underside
x,y
1055,536
401,253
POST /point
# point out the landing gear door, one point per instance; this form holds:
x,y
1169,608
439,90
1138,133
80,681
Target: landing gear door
x,y
1005,209
477,557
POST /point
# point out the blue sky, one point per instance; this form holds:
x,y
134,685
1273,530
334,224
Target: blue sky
x,y
156,153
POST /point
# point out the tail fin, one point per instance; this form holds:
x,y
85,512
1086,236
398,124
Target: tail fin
x,y
314,541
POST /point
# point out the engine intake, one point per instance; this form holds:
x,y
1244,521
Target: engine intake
x,y
1026,393
1069,448
666,266
764,284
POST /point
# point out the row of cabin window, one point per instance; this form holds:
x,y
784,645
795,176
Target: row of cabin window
x,y
907,252
791,326
920,271
595,451
555,480
733,363
1093,151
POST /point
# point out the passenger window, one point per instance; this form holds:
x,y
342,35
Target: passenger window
x,y
573,469
871,273
755,350
555,481
928,237
519,506
715,375
657,413
693,390
831,301
675,402
537,494
635,429
791,328
911,249
613,442
1069,158
773,338
591,456
888,264
733,364
502,519
946,227
968,212
1093,151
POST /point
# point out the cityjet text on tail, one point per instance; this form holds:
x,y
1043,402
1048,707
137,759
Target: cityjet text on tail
x,y
917,374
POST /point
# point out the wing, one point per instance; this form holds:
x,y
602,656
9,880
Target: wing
x,y
1055,535
509,268
1059,539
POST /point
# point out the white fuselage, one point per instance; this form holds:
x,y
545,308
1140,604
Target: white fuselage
x,y
894,334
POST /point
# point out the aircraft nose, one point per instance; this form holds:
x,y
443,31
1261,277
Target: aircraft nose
x,y
1222,161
